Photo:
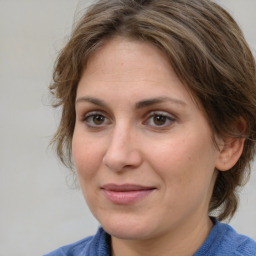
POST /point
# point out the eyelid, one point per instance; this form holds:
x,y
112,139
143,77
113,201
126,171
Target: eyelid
x,y
91,114
162,113
92,111
165,114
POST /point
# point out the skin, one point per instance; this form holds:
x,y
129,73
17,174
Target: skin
x,y
122,136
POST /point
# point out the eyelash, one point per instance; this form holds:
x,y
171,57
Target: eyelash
x,y
166,116
88,119
90,122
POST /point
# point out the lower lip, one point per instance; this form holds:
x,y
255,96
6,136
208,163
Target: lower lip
x,y
126,197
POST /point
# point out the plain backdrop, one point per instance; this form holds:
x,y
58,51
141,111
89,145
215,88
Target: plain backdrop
x,y
39,211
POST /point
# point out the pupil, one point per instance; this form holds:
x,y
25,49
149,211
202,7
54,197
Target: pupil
x,y
159,120
98,119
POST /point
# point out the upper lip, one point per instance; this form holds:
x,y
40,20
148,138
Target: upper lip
x,y
125,187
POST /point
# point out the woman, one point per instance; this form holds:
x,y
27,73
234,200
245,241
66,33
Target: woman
x,y
158,115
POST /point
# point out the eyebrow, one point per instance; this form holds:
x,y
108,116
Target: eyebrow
x,y
92,100
153,101
138,105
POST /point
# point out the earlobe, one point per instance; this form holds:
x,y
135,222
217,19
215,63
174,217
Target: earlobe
x,y
230,153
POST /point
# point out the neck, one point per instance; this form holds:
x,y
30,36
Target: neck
x,y
185,240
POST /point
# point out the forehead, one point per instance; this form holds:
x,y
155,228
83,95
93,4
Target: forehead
x,y
127,55
122,60
134,67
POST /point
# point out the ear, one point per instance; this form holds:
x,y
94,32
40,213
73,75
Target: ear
x,y
230,153
231,147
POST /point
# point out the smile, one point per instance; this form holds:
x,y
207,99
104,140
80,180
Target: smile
x,y
126,194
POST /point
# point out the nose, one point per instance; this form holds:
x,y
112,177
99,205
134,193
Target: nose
x,y
122,152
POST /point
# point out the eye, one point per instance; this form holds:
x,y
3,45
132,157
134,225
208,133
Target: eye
x,y
95,119
159,119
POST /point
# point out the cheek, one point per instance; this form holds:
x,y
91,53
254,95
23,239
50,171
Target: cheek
x,y
87,156
186,168
184,162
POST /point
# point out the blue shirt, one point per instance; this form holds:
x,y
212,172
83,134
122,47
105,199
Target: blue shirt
x,y
223,240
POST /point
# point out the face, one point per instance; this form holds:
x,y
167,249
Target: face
x,y
142,148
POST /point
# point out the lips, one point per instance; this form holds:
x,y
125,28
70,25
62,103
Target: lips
x,y
126,193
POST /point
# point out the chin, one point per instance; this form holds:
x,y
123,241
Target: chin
x,y
125,228
128,233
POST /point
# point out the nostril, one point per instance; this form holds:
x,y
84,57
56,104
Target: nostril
x,y
119,162
113,163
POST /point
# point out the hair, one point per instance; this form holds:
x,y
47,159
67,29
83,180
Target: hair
x,y
209,54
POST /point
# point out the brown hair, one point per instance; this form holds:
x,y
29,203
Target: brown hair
x,y
207,51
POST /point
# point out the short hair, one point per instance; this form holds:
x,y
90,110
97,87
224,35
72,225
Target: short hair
x,y
209,54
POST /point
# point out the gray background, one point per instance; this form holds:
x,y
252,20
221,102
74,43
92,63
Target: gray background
x,y
39,212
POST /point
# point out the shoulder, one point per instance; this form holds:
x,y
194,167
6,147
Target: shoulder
x,y
93,245
238,244
224,240
71,249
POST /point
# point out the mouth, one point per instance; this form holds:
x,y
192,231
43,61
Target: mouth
x,y
126,194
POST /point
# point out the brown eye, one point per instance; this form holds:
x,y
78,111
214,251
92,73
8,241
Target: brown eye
x,y
98,119
159,120
95,120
